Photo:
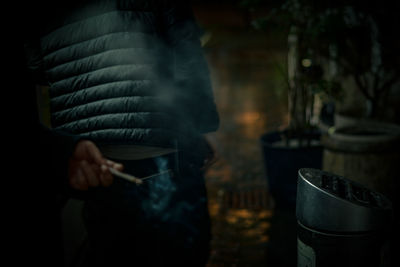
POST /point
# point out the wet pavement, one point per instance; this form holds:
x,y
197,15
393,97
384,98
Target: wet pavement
x,y
249,91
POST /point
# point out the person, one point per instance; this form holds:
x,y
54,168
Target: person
x,y
131,76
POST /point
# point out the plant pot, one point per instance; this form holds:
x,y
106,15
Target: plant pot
x,y
342,121
282,161
367,153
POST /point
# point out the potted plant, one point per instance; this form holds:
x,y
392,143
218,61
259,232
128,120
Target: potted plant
x,y
343,49
297,146
355,38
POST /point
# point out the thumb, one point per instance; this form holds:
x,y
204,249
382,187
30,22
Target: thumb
x,y
94,153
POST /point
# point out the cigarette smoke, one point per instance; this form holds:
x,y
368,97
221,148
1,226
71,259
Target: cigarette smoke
x,y
167,209
161,189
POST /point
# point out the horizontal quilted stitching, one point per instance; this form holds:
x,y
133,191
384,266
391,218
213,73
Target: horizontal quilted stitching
x,y
122,56
102,91
107,76
131,104
97,26
97,45
103,71
101,76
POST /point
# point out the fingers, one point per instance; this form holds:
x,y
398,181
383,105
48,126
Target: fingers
x,y
78,181
90,173
106,178
87,150
87,175
94,153
88,167
114,165
83,175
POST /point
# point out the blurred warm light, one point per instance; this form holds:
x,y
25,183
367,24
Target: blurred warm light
x,y
265,214
244,213
248,117
213,208
306,62
264,238
232,219
220,171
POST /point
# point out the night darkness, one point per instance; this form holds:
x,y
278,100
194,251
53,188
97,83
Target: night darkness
x,y
216,105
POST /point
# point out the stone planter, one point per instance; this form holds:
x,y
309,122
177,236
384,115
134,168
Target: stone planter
x,y
367,152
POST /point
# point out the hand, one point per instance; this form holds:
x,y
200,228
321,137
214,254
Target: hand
x,y
88,167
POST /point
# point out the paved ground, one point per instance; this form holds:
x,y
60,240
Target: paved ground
x,y
251,99
247,229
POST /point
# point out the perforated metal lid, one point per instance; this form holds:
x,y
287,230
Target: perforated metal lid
x,y
329,202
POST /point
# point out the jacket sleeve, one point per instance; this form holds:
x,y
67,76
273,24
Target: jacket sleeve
x,y
190,69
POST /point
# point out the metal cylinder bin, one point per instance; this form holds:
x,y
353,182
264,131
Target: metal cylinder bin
x,y
340,222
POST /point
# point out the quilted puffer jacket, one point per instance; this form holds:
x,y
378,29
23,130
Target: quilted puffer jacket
x,y
125,72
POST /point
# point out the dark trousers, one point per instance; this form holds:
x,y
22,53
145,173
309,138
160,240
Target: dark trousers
x,y
163,222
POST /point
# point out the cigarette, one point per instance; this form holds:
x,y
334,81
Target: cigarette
x,y
169,171
125,176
